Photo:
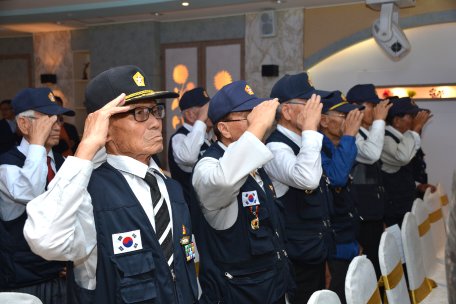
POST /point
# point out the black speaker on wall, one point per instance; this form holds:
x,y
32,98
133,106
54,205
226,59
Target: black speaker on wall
x,y
48,78
270,70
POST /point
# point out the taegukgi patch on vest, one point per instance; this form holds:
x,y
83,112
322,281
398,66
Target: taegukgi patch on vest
x,y
250,198
127,241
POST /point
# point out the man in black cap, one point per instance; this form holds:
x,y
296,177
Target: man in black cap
x,y
11,136
367,173
25,173
125,225
239,225
402,141
300,184
69,137
192,139
339,124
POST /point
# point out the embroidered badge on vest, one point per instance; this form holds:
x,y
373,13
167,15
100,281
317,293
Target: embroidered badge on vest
x,y
127,241
184,231
250,198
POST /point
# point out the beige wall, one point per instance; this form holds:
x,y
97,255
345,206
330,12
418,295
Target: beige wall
x,y
324,26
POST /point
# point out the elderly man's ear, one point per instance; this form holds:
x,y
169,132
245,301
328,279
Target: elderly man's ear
x,y
286,111
24,125
324,122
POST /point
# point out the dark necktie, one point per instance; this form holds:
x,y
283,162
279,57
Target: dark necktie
x,y
162,218
51,173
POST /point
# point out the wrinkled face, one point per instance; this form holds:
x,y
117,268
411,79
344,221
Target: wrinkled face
x,y
368,117
233,130
7,111
333,122
291,110
130,137
403,124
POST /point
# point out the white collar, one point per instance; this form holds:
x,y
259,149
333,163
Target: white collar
x,y
222,145
188,127
131,165
396,132
297,139
24,147
210,135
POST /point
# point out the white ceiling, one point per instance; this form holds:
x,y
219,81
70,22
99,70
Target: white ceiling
x,y
57,15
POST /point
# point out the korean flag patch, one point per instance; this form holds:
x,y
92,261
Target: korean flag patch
x,y
250,198
127,241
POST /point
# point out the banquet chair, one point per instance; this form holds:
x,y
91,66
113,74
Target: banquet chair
x,y
17,297
324,297
434,210
445,202
361,283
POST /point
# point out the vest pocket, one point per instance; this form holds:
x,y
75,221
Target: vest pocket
x,y
345,232
31,267
308,247
341,204
370,203
311,205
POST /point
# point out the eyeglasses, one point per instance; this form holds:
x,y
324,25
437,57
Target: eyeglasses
x,y
142,113
234,120
294,102
337,115
60,120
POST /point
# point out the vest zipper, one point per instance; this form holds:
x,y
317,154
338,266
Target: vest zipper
x,y
277,233
229,276
324,223
351,215
278,255
174,276
285,253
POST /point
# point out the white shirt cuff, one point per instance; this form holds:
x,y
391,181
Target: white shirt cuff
x,y
379,123
199,126
312,139
76,170
417,138
36,153
259,145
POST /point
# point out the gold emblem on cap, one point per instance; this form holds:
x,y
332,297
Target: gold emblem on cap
x,y
343,97
205,94
139,79
310,82
376,93
51,97
413,103
248,89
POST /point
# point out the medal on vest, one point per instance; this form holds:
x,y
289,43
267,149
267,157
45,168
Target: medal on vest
x,y
338,189
185,240
190,251
255,223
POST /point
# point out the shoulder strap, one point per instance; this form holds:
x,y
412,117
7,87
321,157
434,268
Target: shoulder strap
x,y
326,150
278,136
362,134
388,133
13,157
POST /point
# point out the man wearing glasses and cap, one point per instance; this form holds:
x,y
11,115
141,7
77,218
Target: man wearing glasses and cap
x,y
367,173
239,225
192,139
402,141
300,183
339,124
125,225
25,173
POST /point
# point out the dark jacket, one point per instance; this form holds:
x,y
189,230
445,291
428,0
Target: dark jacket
x,y
72,135
8,139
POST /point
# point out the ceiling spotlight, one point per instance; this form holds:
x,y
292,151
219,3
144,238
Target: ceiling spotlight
x,y
185,3
157,14
278,1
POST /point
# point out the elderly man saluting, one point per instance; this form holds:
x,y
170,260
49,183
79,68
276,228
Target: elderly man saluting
x,y
125,225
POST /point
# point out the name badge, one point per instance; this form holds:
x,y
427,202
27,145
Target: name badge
x,y
127,241
250,198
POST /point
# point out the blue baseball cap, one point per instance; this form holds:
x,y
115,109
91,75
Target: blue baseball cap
x,y
41,100
295,86
194,98
338,102
234,97
363,92
404,105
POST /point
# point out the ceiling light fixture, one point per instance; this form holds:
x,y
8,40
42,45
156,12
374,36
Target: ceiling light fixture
x,y
185,3
58,22
157,14
278,1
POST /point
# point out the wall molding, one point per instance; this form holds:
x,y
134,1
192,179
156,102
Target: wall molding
x,y
405,23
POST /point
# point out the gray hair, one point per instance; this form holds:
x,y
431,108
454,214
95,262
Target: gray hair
x,y
28,113
278,115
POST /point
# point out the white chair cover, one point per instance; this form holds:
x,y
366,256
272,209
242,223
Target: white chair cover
x,y
444,200
16,298
360,282
450,251
389,257
434,270
433,206
415,268
324,297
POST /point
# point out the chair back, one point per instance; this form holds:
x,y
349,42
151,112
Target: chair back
x,y
361,282
445,202
434,210
324,297
17,297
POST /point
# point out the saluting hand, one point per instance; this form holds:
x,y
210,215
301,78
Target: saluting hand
x,y
420,120
96,128
40,129
381,110
262,117
310,116
202,112
352,123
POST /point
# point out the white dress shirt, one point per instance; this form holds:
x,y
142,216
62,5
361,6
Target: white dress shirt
x,y
60,224
302,171
370,149
186,148
396,155
18,185
217,182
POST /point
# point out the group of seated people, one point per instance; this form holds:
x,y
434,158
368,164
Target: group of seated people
x,y
274,219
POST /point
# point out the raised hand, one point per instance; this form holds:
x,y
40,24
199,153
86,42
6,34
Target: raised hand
x,y
381,110
262,117
310,116
352,123
202,112
40,129
420,120
96,128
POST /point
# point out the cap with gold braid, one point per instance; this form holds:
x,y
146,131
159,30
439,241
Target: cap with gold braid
x,y
338,102
128,79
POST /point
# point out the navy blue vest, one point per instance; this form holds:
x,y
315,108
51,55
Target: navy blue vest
x,y
367,180
307,213
400,188
419,167
240,264
177,173
19,266
345,220
141,276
